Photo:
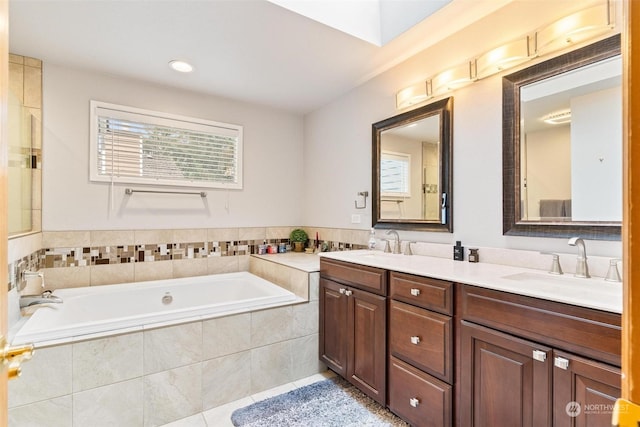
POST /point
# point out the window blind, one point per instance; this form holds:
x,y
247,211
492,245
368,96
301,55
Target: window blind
x,y
394,174
130,145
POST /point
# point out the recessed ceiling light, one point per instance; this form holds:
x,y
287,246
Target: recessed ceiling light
x,y
558,117
183,67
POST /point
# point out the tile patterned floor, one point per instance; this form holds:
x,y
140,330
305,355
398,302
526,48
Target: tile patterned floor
x,y
221,416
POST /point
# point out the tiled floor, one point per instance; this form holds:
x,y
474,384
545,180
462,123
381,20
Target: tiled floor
x,y
221,416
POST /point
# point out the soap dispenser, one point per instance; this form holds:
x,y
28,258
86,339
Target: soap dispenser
x,y
372,239
458,251
612,274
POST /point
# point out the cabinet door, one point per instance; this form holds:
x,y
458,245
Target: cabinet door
x,y
333,326
584,391
367,353
504,380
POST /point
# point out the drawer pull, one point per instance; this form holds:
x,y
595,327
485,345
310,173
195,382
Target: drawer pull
x,y
342,290
415,292
348,293
539,355
561,362
414,401
415,340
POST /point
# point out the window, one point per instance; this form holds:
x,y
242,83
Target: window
x,y
130,145
394,174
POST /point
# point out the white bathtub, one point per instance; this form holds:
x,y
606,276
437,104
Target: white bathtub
x,y
90,312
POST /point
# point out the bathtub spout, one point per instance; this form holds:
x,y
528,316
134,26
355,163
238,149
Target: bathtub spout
x,y
46,297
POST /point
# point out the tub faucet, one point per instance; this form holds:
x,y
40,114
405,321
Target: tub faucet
x,y
396,245
46,297
582,268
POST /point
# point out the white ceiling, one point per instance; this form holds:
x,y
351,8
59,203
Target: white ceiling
x,y
249,50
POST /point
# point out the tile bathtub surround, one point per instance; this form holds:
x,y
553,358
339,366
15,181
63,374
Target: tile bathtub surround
x,y
161,375
109,254
31,262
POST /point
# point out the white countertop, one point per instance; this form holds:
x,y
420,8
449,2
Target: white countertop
x,y
299,260
592,293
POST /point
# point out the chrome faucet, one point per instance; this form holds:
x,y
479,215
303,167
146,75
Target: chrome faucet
x,y
582,268
46,297
396,245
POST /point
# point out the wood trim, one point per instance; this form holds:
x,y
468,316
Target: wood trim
x,y
631,205
4,96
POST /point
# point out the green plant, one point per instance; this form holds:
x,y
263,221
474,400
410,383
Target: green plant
x,y
298,235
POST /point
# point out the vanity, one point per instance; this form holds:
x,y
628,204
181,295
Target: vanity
x,y
444,343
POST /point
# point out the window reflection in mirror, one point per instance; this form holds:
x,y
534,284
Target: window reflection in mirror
x,y
412,169
571,145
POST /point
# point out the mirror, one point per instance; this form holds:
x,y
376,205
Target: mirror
x,y
412,169
562,145
19,167
24,132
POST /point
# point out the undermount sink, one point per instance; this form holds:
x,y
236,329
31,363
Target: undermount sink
x,y
547,278
544,281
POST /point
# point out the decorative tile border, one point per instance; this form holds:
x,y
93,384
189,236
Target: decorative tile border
x,y
124,254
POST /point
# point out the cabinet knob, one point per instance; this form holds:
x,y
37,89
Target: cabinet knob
x,y
348,293
561,362
414,401
342,290
540,355
415,292
415,340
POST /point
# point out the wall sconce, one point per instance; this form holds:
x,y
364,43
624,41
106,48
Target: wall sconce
x,y
503,57
412,95
575,28
453,78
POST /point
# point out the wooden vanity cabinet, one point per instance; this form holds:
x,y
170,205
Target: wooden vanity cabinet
x,y
528,362
353,321
421,349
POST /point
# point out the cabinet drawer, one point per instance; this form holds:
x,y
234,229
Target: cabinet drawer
x,y
417,397
584,331
359,276
428,293
422,338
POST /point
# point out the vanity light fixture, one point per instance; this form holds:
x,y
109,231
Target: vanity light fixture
x,y
558,117
506,56
181,66
412,95
453,78
575,28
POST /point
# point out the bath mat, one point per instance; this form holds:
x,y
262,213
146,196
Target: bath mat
x,y
328,403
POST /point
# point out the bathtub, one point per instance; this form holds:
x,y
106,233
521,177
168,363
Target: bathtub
x,y
95,311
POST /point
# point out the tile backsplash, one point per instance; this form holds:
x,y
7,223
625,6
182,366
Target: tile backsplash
x,y
82,258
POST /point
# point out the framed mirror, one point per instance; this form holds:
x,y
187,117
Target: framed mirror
x,y
562,145
412,169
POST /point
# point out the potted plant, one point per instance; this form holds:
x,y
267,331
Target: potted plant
x,y
298,238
